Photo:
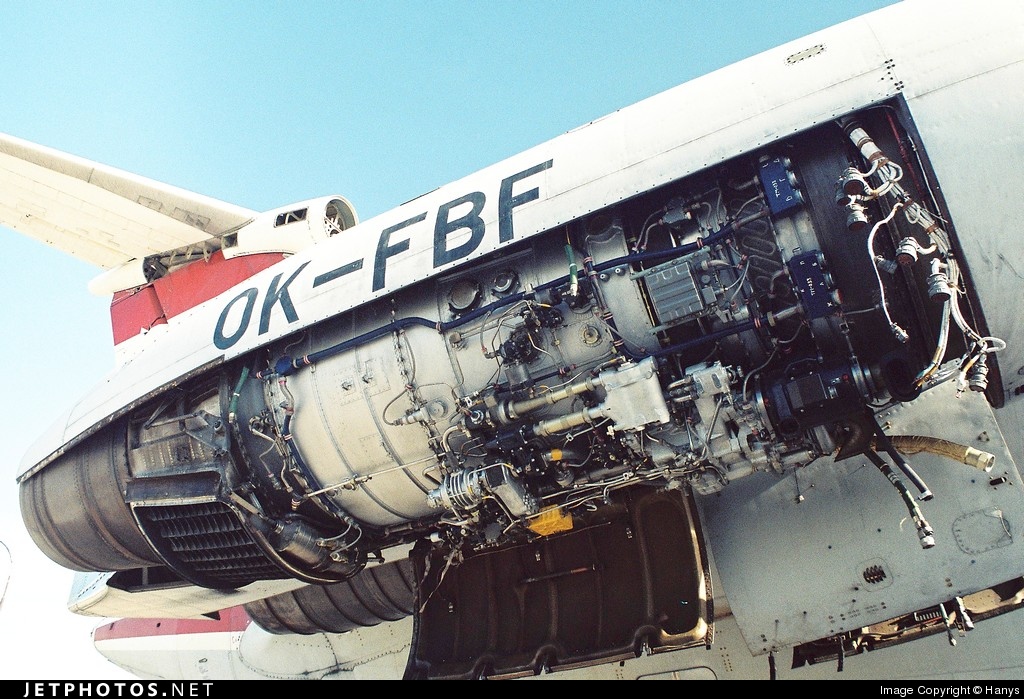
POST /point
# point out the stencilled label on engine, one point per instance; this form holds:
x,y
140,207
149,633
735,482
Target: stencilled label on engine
x,y
812,283
357,383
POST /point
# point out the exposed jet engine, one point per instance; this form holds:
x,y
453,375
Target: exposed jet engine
x,y
573,393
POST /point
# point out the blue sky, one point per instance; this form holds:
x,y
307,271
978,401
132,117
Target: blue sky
x,y
266,103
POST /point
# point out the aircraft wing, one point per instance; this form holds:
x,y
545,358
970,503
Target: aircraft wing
x,y
100,214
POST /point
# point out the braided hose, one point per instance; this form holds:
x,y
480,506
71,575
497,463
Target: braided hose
x,y
913,444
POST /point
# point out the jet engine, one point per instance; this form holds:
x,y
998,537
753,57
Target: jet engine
x,y
596,378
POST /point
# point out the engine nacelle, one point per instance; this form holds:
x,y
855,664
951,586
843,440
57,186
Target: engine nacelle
x,y
729,322
291,228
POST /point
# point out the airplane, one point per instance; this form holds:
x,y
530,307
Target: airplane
x,y
684,392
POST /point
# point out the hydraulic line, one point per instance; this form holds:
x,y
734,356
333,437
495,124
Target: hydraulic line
x,y
310,486
233,406
710,239
887,446
705,339
759,321
925,532
916,214
286,365
573,271
940,346
897,331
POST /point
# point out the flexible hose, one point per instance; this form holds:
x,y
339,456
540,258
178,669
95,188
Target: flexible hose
x,y
925,532
885,442
961,453
233,407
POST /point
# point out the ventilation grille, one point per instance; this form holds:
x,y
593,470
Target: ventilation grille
x,y
207,544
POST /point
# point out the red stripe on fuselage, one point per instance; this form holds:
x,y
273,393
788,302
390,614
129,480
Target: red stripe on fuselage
x,y
231,619
136,310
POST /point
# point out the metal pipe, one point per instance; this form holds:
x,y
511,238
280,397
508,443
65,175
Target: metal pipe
x,y
512,410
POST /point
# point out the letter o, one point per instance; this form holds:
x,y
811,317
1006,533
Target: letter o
x,y
223,341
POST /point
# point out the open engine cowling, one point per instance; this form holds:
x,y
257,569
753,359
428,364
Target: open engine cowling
x,y
747,318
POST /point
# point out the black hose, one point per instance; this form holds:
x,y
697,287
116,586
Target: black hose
x,y
710,239
886,444
705,339
924,530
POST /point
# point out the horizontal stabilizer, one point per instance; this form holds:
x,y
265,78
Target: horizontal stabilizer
x,y
100,214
